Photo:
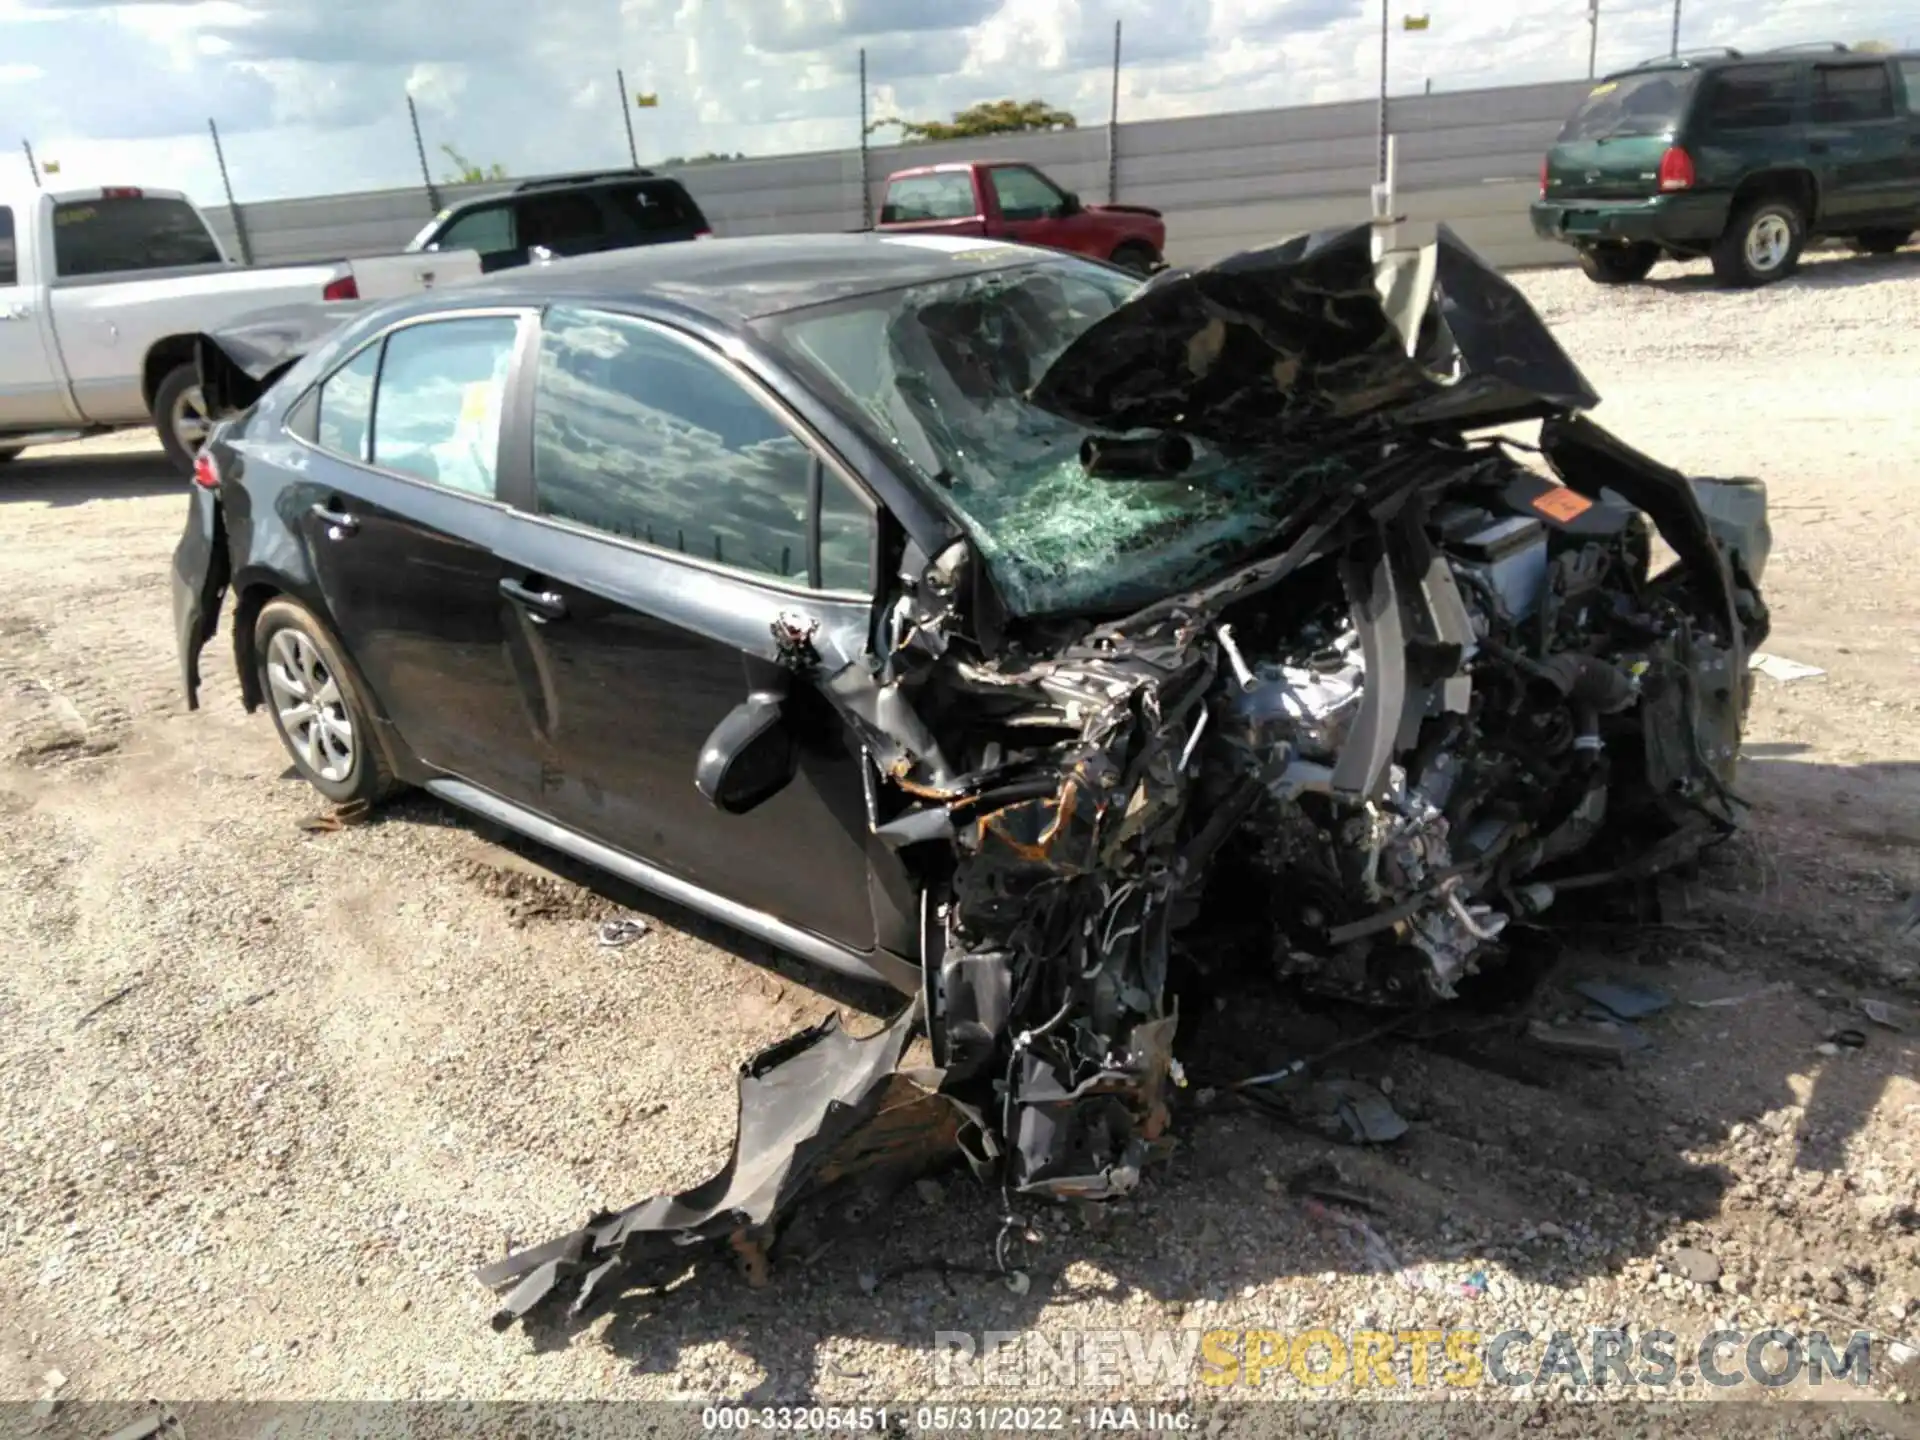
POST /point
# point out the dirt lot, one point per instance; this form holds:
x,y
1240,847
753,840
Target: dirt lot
x,y
270,1094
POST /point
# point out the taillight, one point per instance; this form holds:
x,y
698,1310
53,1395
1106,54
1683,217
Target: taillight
x,y
345,288
703,234
1545,165
1676,170
205,473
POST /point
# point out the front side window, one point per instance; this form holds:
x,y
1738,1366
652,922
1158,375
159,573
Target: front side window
x,y
9,256
489,231
118,233
345,419
1847,94
944,196
1751,97
1910,78
639,434
437,404
1023,195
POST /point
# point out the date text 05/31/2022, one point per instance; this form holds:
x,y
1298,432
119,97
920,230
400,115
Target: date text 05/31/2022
x,y
929,1419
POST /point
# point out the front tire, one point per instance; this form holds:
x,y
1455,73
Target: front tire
x,y
1137,257
1618,265
1762,245
180,417
1881,242
318,706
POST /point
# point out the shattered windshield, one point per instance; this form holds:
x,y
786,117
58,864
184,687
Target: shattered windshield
x,y
1649,104
940,373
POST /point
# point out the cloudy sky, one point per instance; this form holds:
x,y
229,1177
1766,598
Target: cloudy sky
x,y
310,96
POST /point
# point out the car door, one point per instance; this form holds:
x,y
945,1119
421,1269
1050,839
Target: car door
x,y
671,529
399,516
33,390
1860,139
1034,211
1910,114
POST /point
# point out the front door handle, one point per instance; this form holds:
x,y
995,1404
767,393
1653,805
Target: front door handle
x,y
544,604
338,522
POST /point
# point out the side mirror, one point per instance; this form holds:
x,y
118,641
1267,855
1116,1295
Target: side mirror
x,y
749,758
1070,204
539,254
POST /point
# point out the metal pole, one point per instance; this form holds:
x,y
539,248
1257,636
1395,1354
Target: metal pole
x,y
420,148
32,169
1593,36
1384,8
233,209
626,114
866,192
1676,27
1113,124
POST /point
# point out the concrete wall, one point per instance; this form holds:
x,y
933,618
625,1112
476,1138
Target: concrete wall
x,y
1226,182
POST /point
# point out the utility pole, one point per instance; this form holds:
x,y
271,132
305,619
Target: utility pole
x,y
1113,124
1385,6
233,209
866,189
32,168
626,114
1593,36
1676,28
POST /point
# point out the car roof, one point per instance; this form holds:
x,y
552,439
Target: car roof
x,y
1811,54
571,184
739,280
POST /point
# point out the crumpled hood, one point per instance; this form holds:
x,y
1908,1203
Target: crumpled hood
x,y
1271,345
238,363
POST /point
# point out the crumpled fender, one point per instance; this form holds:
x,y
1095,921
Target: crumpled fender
x,y
239,363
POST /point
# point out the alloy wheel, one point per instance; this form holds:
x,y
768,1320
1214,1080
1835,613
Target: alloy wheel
x,y
312,711
1769,242
189,419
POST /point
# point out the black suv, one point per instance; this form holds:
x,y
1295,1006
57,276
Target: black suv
x,y
1743,158
567,215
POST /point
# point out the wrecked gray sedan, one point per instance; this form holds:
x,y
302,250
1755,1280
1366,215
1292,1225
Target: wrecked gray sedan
x,y
1204,642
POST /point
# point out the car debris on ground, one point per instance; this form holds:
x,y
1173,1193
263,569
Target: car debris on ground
x,y
1449,700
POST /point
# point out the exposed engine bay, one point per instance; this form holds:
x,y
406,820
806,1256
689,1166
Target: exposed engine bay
x,y
1458,689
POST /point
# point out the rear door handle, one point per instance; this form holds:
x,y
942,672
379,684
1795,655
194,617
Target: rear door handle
x,y
545,604
338,522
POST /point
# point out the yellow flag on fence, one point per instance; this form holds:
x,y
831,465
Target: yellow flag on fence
x,y
1416,22
646,99
49,167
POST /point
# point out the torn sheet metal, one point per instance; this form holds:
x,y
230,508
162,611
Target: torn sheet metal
x,y
238,363
1439,692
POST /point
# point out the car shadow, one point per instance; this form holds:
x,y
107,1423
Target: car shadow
x,y
63,477
1554,1171
1835,270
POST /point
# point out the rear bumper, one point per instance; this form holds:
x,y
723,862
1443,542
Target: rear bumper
x,y
1688,220
200,571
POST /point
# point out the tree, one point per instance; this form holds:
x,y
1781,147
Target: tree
x,y
1874,47
990,117
470,173
707,159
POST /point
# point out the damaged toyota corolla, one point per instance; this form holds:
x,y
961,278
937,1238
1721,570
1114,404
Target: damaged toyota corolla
x,y
984,620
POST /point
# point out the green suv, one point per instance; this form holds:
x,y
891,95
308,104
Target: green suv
x,y
1742,158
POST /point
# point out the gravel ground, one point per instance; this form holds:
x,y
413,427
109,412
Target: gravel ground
x,y
271,1094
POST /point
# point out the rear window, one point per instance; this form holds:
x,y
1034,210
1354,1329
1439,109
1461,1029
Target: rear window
x,y
648,208
1751,97
1846,93
930,197
128,232
1641,104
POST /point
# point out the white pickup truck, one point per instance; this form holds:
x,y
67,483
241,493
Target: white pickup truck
x,y
103,291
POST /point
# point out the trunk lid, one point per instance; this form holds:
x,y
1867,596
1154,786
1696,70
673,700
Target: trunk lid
x,y
1610,147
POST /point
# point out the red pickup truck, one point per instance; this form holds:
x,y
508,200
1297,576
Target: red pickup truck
x,y
1009,200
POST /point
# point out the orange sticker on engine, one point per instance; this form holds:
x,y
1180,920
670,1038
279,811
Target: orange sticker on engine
x,y
1562,503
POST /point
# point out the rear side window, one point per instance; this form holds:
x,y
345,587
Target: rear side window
x,y
9,257
639,434
648,209
947,196
128,232
436,410
1910,77
345,417
563,222
1643,104
1751,97
1843,94
489,231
